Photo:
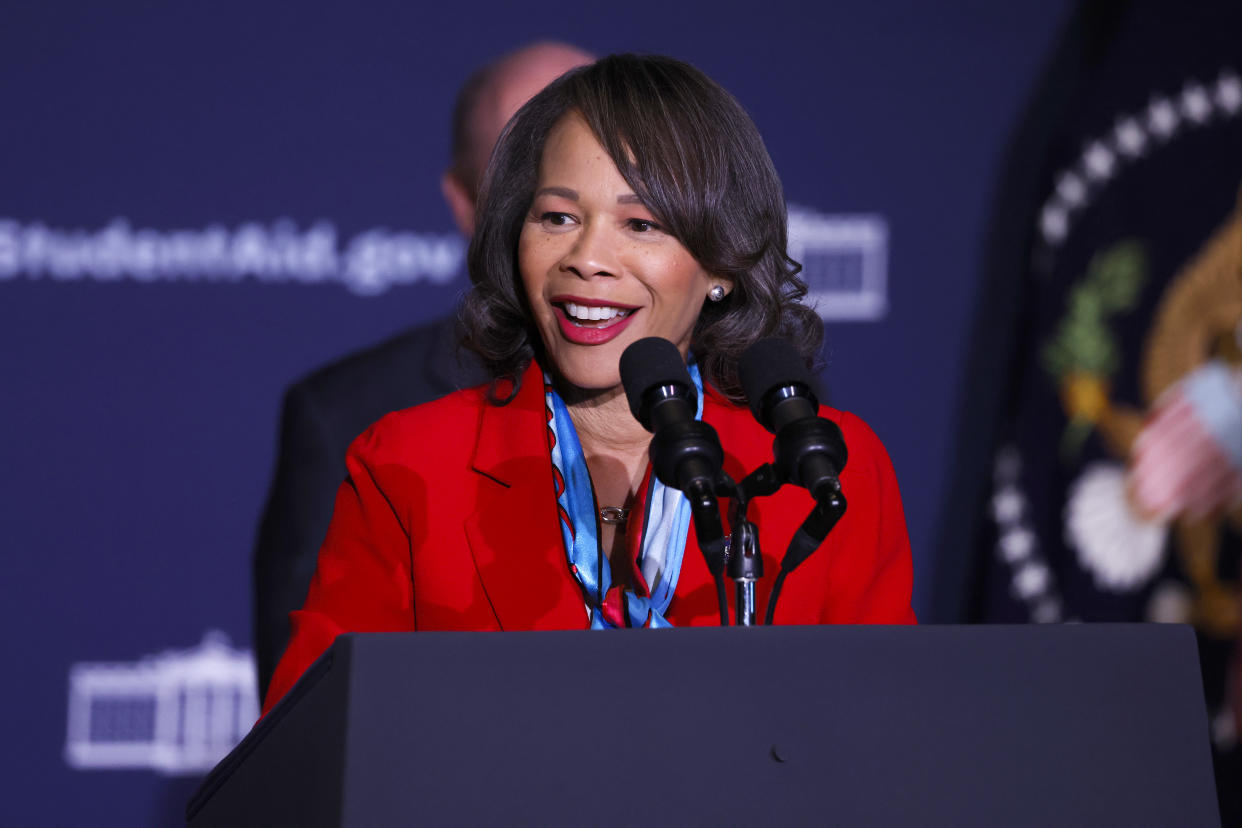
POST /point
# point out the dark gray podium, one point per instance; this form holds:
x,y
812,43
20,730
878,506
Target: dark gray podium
x,y
956,726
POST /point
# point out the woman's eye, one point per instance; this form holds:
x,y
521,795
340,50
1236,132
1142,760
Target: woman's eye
x,y
556,219
642,225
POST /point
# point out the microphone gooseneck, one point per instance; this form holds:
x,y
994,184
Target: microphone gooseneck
x,y
809,450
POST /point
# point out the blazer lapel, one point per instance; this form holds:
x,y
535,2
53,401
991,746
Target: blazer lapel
x,y
514,533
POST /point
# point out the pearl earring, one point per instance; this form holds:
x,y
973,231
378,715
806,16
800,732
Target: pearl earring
x,y
716,293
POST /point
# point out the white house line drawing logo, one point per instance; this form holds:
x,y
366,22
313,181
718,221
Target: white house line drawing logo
x,y
844,256
178,712
844,263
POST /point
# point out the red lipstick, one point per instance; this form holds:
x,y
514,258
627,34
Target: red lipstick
x,y
591,334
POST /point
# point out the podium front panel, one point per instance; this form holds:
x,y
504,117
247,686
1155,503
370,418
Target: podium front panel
x,y
986,725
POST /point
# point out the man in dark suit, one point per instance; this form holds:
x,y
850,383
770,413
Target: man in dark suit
x,y
326,410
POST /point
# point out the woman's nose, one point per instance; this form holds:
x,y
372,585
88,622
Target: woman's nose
x,y
593,253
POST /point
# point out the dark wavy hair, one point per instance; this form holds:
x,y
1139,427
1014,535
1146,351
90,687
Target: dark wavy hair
x,y
697,161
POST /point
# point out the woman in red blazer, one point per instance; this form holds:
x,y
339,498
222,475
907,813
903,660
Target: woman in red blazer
x,y
631,198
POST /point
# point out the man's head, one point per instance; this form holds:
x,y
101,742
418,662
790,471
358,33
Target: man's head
x,y
485,104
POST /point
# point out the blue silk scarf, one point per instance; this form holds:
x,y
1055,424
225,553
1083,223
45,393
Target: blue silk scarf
x,y
655,545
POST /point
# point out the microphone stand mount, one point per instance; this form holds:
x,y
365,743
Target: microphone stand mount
x,y
745,561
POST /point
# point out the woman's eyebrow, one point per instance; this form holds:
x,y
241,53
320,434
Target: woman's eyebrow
x,y
563,192
572,195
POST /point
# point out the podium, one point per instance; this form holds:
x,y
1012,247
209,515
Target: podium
x,y
984,725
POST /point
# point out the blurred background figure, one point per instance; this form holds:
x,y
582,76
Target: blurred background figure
x,y
325,411
1101,430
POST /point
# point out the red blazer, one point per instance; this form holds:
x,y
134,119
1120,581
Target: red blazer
x,y
448,521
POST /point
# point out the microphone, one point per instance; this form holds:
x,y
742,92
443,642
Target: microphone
x,y
685,452
810,451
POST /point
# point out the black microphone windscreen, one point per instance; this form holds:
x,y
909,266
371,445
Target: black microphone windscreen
x,y
649,362
767,364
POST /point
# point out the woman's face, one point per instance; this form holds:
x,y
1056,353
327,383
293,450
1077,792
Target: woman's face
x,y
598,270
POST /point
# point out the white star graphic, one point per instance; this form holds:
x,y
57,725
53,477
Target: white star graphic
x,y
1048,611
1009,460
1229,92
1017,544
1071,189
1054,224
1031,580
1196,105
1007,505
1099,161
1161,117
1129,137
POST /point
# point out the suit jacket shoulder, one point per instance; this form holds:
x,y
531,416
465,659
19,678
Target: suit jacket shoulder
x,y
417,365
321,415
440,434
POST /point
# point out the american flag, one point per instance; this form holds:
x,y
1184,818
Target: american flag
x,y
1188,457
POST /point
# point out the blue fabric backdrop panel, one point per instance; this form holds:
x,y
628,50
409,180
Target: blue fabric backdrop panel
x,y
139,409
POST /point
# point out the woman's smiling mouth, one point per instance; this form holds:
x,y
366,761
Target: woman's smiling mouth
x,y
590,324
587,314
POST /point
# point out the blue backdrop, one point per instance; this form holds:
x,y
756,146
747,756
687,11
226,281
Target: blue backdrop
x,y
140,407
